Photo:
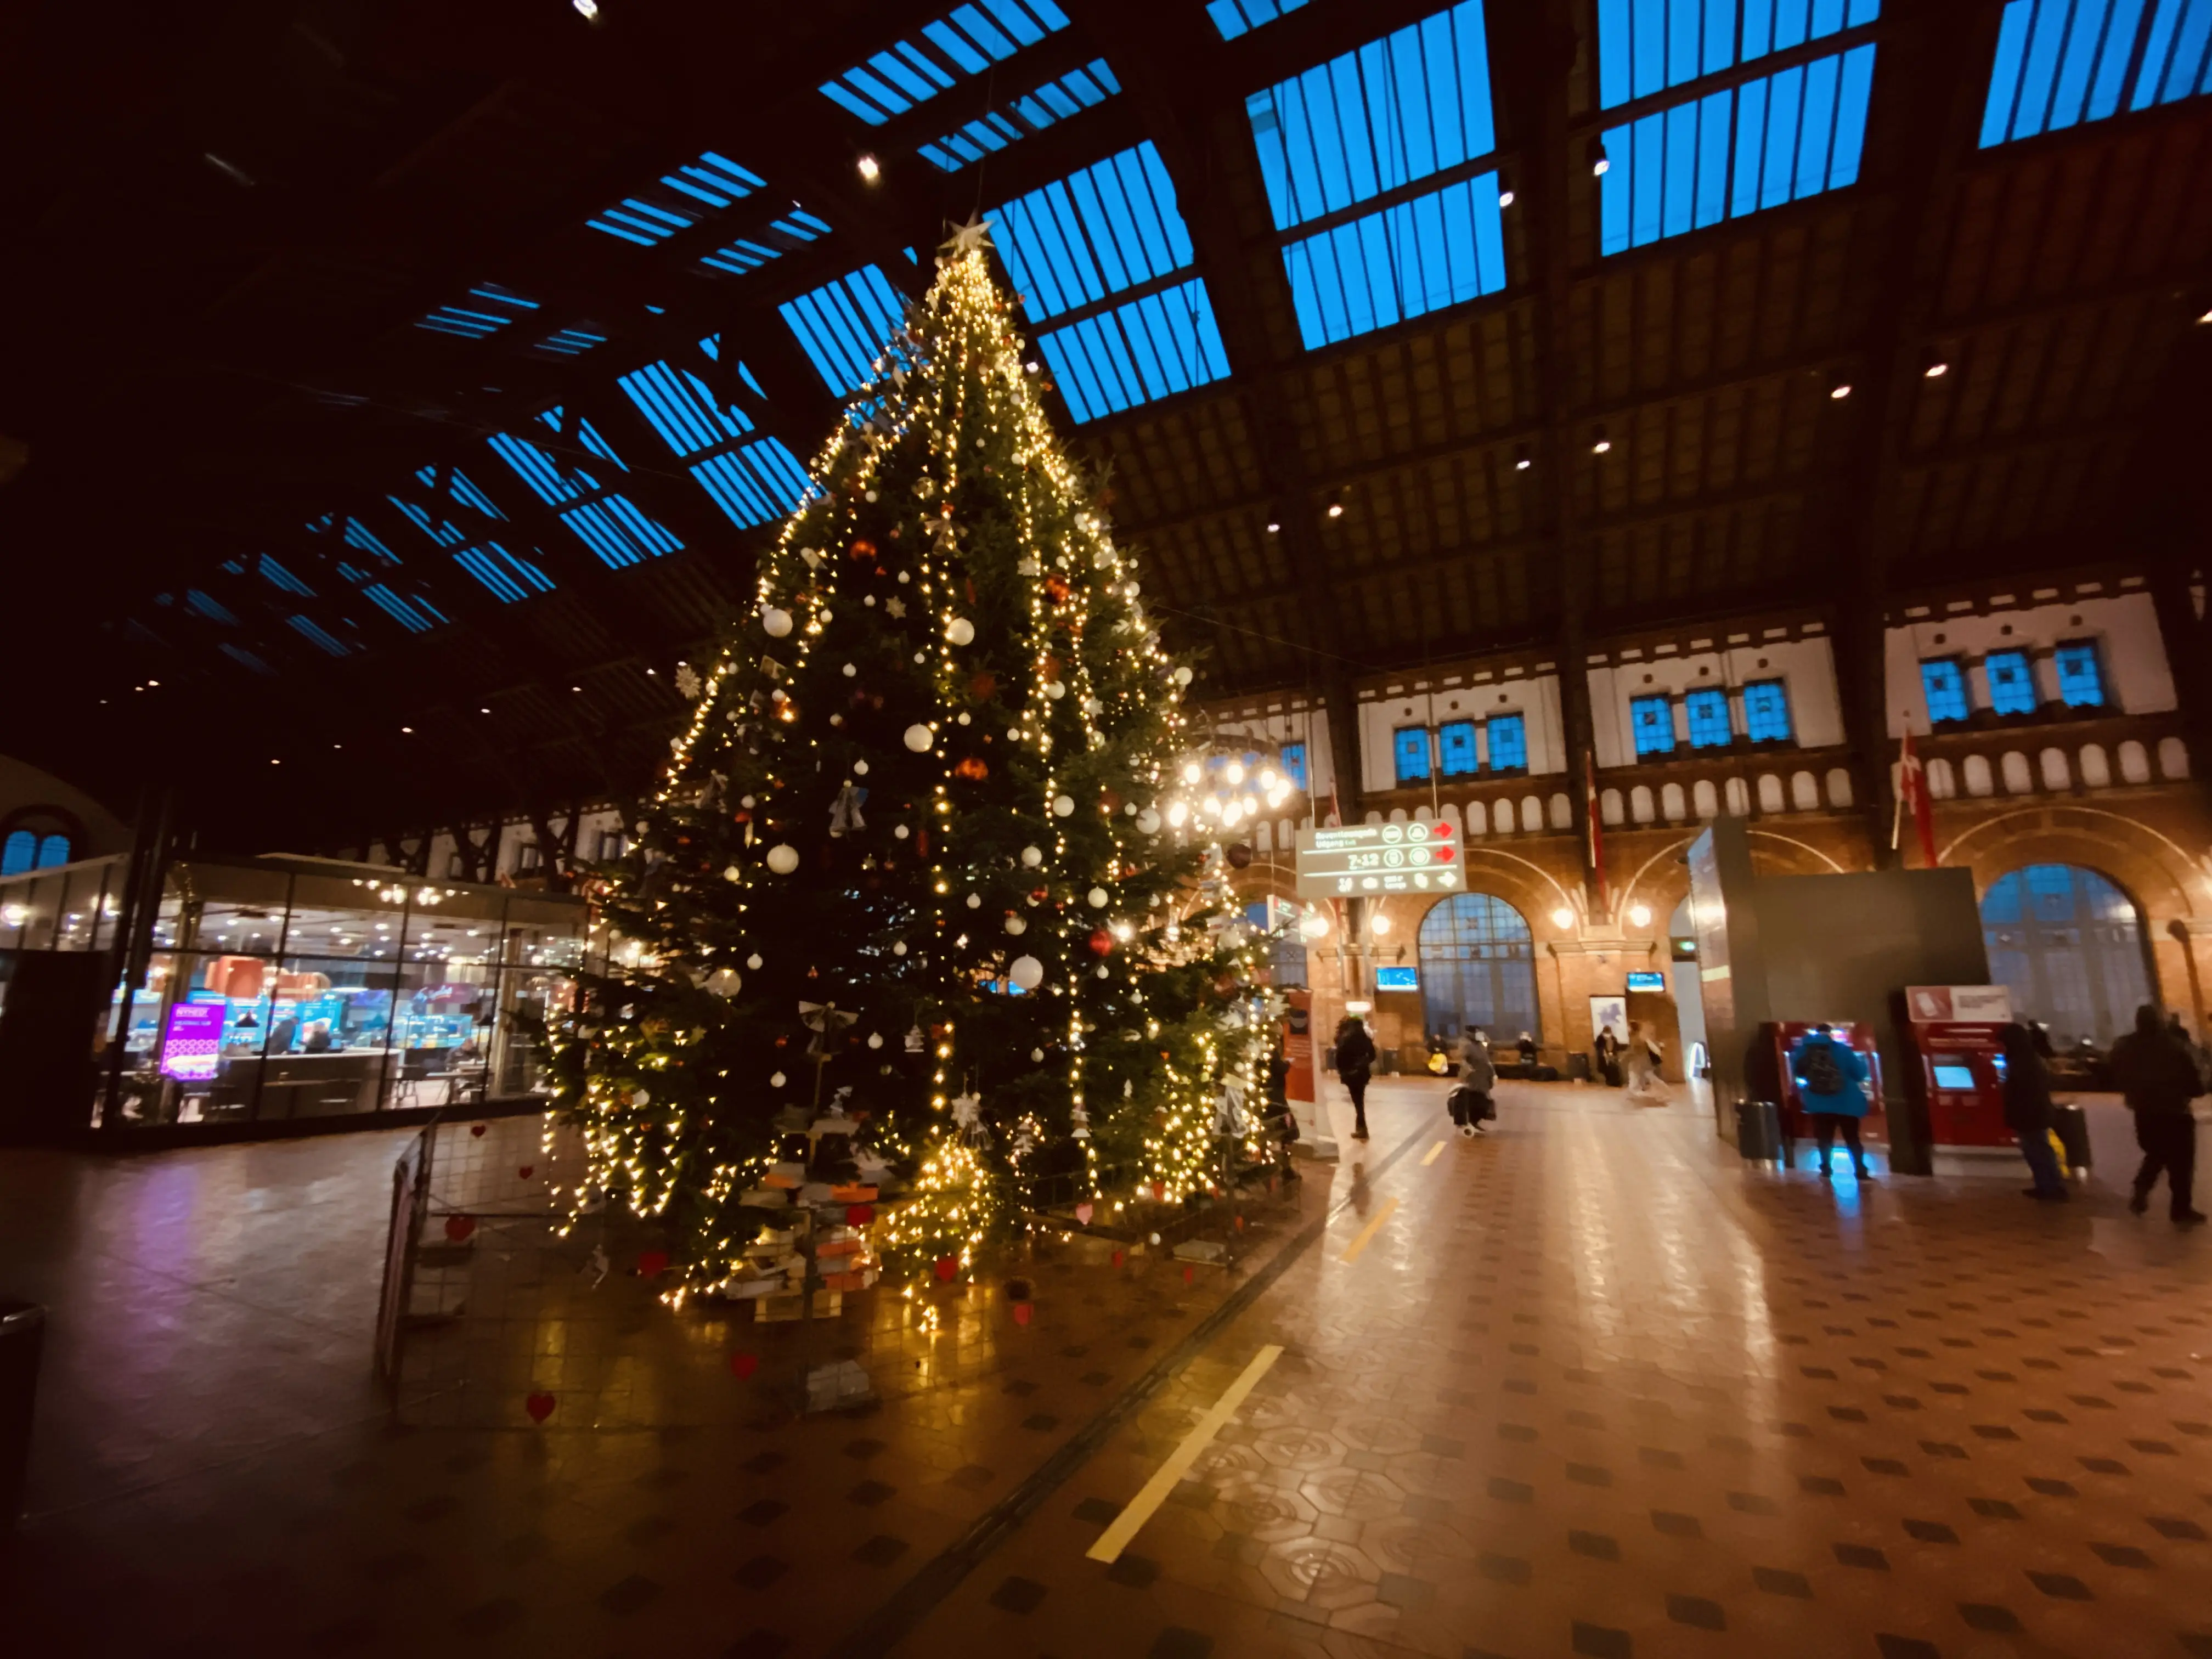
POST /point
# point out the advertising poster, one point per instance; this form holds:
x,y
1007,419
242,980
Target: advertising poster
x,y
191,1048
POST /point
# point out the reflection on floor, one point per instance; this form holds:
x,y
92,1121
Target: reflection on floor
x,y
1590,1386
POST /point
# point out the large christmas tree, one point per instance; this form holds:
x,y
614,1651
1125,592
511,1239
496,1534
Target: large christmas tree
x,y
915,914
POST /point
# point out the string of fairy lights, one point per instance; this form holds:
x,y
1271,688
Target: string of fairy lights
x,y
923,388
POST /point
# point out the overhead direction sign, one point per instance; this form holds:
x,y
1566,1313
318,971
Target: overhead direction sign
x,y
1363,858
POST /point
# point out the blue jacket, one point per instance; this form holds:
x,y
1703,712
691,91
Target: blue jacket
x,y
1852,1102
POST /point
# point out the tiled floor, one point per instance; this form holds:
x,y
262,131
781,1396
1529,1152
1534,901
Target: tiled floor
x,y
1592,1387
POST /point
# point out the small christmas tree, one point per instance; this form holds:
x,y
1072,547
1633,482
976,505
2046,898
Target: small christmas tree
x,y
914,911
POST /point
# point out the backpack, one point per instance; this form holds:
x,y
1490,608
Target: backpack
x,y
1818,1070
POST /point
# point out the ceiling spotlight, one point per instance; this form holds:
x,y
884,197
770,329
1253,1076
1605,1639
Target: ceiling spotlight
x,y
1841,389
1639,915
1505,198
1599,163
408,729
484,711
1563,917
1932,366
1274,529
2206,318
1380,924
1336,509
1521,459
587,9
1602,444
869,169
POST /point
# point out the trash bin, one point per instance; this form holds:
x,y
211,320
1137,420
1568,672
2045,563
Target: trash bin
x,y
22,1332
1759,1130
2072,1125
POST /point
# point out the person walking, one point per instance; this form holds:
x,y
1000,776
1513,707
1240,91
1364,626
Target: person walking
x,y
1828,1075
1609,1057
2028,1112
2158,1079
1355,1064
1478,1077
1642,1058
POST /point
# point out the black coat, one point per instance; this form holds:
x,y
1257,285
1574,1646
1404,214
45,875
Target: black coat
x,y
1355,1055
2156,1073
2027,1094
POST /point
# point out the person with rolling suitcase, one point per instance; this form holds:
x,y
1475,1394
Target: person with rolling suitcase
x,y
2028,1112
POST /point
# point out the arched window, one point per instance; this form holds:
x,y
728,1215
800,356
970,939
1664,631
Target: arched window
x,y
32,849
2069,944
1478,968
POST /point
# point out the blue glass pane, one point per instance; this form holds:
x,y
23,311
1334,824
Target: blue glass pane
x,y
1395,110
1409,748
2081,681
843,326
2011,685
1160,344
966,42
2059,63
1294,765
1709,720
1645,46
53,850
1652,720
1508,736
1766,711
1234,17
1406,260
1793,134
1033,111
1945,684
19,853
1109,226
488,309
1455,747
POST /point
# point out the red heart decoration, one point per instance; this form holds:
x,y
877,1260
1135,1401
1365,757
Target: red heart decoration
x,y
459,1227
527,1170
1240,1223
860,1215
539,1406
477,1129
651,1264
946,1267
1190,1273
1118,1255
1084,1211
1159,1192
742,1365
1021,1312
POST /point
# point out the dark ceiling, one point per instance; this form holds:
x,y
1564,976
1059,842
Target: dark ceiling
x,y
225,221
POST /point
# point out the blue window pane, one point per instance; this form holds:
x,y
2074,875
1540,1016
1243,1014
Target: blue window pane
x,y
1406,260
1109,226
2081,681
19,853
1234,17
2060,63
1409,746
1652,720
2012,686
1766,711
1156,345
1945,684
1509,743
1645,46
965,43
843,326
1294,765
1455,744
1795,134
1709,720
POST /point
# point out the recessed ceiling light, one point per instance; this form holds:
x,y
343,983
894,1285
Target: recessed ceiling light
x,y
1505,198
587,9
1336,509
869,169
1840,391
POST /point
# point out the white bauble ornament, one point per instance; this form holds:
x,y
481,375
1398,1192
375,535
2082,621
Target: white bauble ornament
x,y
859,769
733,874
725,981
960,631
1017,927
823,617
975,900
775,1080
899,831
783,858
1183,677
1101,970
776,624
753,962
851,672
875,1039
1055,688
1062,805
919,738
1027,972
964,717
1036,1053
640,1098
1097,897
1148,821
1032,856
898,947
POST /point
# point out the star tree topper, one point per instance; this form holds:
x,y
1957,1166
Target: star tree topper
x,y
971,238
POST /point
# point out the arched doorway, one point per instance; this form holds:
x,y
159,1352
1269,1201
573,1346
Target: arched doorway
x,y
1479,968
2069,944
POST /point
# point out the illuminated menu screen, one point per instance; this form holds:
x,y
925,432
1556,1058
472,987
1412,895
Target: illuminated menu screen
x,y
1377,858
192,1045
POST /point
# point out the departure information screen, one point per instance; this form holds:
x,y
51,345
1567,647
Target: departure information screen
x,y
1361,859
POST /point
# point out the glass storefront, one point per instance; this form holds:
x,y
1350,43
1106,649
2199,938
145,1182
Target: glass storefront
x,y
289,988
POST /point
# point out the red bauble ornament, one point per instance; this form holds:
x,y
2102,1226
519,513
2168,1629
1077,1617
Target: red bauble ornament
x,y
1119,1255
972,766
1190,1273
459,1227
860,1215
742,1365
982,687
651,1264
1021,1312
1102,942
946,1267
539,1406
1240,855
1159,1192
1057,587
864,550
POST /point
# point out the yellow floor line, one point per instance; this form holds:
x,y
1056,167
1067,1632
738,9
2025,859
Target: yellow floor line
x,y
1115,1539
1430,1157
1352,1252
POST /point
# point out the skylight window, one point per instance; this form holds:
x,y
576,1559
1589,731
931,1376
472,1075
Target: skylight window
x,y
1777,139
967,42
692,192
793,229
1406,260
609,524
213,609
245,658
1033,111
1157,344
506,577
488,309
1645,46
2060,63
751,482
843,326
680,408
570,342
1111,226
278,576
1234,17
754,483
1397,110
416,616
355,534
317,634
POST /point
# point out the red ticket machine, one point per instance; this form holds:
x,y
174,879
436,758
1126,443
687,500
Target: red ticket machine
x,y
1796,1124
1958,1081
